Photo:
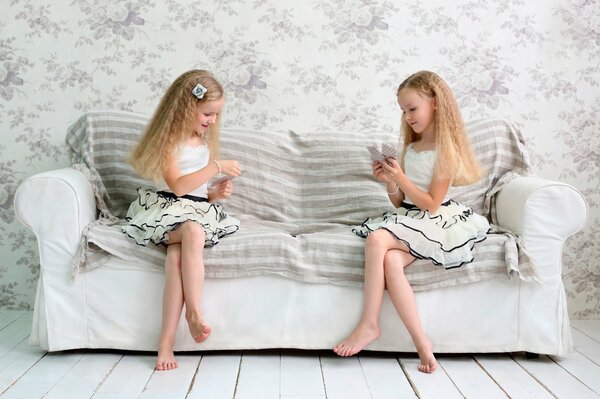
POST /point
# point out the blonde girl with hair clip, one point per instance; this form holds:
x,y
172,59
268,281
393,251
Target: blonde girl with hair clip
x,y
180,151
435,155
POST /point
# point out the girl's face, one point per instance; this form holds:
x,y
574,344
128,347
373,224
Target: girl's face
x,y
206,114
419,110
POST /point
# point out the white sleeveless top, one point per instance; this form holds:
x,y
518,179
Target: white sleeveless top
x,y
418,167
191,159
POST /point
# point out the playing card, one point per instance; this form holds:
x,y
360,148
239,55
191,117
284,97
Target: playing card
x,y
375,154
388,151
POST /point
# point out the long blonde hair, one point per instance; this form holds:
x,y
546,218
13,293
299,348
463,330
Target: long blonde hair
x,y
455,158
173,122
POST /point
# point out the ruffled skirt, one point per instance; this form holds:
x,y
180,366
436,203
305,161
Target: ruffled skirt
x,y
446,237
152,216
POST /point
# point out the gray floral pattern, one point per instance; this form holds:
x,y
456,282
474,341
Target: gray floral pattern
x,y
305,65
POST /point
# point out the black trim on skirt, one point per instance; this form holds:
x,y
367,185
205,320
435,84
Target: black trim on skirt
x,y
406,205
169,194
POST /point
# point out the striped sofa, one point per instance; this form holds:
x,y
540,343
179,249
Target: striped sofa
x,y
291,277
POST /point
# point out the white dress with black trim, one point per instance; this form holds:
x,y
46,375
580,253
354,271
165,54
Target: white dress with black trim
x,y
445,237
155,213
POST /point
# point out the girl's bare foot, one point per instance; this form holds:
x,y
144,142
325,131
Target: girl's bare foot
x,y
362,336
166,360
428,362
199,330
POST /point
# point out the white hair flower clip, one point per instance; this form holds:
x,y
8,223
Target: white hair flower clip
x,y
199,91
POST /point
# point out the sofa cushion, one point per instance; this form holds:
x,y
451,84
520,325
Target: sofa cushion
x,y
304,179
332,255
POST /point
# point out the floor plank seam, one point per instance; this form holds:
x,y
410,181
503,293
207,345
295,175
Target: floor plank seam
x,y
18,378
108,374
410,381
574,376
584,333
322,377
148,381
63,376
451,379
533,376
237,378
491,377
587,357
364,376
13,320
279,379
194,377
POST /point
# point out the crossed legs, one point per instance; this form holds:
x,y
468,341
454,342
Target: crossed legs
x,y
184,279
385,260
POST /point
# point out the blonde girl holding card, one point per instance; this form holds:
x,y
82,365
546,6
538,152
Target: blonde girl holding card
x,y
435,155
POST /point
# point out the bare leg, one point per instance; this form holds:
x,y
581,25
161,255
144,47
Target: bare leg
x,y
367,330
403,298
172,305
191,237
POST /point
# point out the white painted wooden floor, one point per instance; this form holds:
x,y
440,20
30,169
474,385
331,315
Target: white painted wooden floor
x,y
27,372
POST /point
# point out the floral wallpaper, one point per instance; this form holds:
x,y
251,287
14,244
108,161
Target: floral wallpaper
x,y
303,65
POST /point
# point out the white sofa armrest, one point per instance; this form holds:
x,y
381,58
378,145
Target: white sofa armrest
x,y
57,205
544,213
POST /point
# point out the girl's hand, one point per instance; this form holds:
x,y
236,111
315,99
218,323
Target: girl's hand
x,y
379,173
221,191
230,167
392,170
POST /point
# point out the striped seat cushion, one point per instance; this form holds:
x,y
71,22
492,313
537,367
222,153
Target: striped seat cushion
x,y
333,255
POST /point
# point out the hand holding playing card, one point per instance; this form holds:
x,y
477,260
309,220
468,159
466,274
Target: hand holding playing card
x,y
221,180
221,189
392,170
379,172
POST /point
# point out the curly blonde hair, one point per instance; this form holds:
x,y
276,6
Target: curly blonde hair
x,y
173,122
455,158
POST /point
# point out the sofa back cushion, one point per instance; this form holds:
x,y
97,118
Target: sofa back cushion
x,y
305,179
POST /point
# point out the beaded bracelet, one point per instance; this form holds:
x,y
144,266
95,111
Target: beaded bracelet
x,y
394,192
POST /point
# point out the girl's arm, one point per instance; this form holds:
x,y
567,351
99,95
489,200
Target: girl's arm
x,y
395,194
425,200
181,185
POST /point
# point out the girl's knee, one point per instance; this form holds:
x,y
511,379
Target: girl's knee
x,y
378,238
193,231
